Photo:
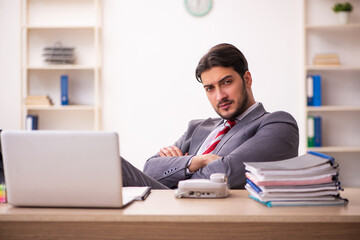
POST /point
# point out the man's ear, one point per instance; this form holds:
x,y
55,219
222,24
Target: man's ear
x,y
248,79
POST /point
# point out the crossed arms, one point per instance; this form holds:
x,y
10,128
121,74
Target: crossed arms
x,y
269,137
197,162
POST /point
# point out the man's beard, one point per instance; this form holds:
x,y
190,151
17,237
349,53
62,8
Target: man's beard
x,y
243,99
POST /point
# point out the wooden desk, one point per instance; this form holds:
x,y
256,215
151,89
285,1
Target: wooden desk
x,y
162,216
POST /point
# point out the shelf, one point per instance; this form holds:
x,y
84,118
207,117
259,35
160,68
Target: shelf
x,y
62,108
335,149
62,67
333,68
339,114
333,108
73,23
60,27
333,27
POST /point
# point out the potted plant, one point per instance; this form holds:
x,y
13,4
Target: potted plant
x,y
343,11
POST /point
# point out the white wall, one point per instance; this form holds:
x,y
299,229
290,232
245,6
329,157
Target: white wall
x,y
9,64
151,49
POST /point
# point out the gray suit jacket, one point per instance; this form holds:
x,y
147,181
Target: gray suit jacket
x,y
260,136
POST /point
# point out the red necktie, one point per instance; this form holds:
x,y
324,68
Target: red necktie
x,y
228,125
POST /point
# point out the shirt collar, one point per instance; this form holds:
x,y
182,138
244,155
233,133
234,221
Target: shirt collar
x,y
244,114
250,109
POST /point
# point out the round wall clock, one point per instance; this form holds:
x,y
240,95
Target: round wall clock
x,y
198,8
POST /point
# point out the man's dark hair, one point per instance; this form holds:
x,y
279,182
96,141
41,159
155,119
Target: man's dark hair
x,y
222,55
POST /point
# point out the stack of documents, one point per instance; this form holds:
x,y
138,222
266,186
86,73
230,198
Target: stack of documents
x,y
326,60
42,100
307,180
2,193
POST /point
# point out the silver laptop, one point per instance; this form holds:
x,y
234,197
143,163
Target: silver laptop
x,y
63,169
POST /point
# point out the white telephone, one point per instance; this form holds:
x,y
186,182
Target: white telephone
x,y
216,187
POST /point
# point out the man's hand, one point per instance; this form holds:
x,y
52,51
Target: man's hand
x,y
197,162
171,151
201,161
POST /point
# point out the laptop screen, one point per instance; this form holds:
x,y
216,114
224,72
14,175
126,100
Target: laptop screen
x,y
62,168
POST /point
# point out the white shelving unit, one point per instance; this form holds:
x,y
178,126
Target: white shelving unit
x,y
74,23
340,110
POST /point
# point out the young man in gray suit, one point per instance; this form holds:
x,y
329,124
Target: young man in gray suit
x,y
245,132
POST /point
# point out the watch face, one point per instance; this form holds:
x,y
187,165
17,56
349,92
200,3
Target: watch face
x,y
198,7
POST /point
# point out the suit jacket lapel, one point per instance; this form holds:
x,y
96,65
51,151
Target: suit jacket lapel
x,y
252,116
201,133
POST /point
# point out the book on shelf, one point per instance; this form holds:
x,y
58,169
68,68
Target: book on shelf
x,y
314,90
31,122
326,60
41,100
307,180
314,137
64,89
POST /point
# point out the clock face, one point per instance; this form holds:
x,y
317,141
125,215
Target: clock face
x,y
198,7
